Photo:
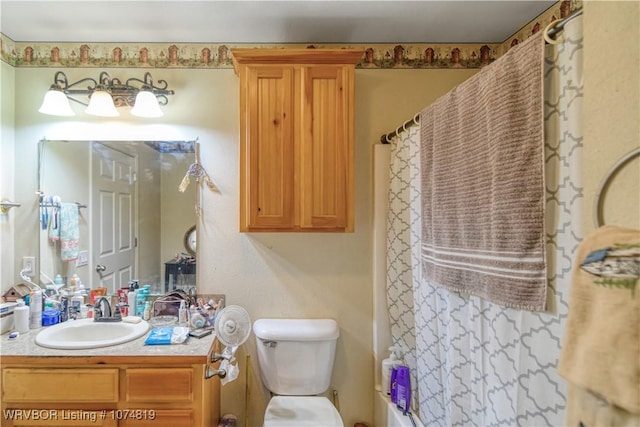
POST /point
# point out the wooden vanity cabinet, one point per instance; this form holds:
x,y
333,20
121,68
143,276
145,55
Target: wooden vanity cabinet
x,y
296,139
126,395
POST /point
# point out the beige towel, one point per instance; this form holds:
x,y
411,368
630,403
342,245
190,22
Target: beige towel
x,y
482,156
601,349
593,411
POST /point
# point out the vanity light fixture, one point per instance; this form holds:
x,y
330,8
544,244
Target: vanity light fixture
x,y
105,95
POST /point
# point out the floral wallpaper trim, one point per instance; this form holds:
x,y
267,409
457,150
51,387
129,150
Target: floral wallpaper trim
x,y
208,55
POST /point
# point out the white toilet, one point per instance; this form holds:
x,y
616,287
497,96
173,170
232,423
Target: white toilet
x,y
296,360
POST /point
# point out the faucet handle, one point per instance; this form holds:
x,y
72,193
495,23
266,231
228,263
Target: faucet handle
x,y
117,314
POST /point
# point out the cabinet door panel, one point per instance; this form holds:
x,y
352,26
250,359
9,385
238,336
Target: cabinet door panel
x,y
159,385
267,153
71,385
325,147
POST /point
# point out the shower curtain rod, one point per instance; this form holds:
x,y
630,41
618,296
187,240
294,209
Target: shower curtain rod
x,y
557,26
551,31
385,138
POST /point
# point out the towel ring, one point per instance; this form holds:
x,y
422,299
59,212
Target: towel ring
x,y
597,205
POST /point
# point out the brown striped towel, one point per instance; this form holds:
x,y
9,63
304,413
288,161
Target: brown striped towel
x,y
482,154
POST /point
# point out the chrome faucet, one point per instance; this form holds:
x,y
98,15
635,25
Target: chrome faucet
x,y
105,316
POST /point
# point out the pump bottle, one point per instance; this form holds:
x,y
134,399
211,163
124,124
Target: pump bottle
x,y
387,366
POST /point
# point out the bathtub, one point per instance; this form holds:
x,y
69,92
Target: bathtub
x,y
387,415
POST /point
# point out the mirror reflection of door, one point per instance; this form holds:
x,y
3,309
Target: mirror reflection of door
x,y
114,197
133,224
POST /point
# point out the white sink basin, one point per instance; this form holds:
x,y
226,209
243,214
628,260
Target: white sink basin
x,y
85,333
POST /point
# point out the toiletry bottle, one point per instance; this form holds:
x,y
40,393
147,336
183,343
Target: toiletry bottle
x,y
73,282
77,301
146,315
387,365
131,298
394,384
64,307
58,281
124,307
403,388
35,309
141,298
182,314
21,313
50,290
80,286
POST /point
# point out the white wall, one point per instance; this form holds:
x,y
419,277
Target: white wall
x,y
612,109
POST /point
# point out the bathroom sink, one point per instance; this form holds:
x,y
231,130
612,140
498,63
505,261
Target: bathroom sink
x,y
85,333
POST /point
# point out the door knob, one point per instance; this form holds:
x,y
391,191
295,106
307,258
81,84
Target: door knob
x,y
100,268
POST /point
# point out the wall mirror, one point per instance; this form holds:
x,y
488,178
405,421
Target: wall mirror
x,y
111,212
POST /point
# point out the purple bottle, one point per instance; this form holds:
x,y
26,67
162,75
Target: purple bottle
x,y
393,384
403,389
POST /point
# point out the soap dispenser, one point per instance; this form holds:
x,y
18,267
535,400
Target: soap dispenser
x,y
388,364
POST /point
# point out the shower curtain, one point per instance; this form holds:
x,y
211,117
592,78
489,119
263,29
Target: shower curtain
x,y
474,362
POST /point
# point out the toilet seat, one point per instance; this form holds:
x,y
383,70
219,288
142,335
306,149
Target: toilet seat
x,y
299,411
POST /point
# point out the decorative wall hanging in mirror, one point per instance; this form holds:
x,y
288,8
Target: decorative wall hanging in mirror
x,y
197,171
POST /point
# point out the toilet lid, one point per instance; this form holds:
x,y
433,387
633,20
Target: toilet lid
x,y
298,411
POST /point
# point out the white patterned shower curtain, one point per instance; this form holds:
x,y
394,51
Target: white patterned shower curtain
x,y
475,363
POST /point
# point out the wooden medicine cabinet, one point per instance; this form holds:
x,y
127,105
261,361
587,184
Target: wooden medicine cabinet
x,y
296,136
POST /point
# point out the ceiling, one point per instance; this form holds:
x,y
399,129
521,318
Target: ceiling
x,y
302,21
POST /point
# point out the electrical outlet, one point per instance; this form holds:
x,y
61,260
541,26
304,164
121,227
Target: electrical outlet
x,y
29,264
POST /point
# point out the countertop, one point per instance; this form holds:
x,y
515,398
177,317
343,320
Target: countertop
x,y
193,350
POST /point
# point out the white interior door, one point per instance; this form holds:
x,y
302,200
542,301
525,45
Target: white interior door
x,y
113,203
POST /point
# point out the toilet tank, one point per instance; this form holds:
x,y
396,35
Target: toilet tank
x,y
296,355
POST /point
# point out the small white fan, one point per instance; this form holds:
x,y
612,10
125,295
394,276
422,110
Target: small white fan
x,y
232,326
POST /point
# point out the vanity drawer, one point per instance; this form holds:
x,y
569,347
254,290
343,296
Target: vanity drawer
x,y
149,385
60,385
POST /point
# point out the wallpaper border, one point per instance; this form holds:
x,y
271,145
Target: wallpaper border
x,y
212,55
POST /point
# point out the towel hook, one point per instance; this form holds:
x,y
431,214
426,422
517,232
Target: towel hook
x,y
597,205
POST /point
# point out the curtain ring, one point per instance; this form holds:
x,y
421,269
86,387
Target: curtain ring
x,y
545,32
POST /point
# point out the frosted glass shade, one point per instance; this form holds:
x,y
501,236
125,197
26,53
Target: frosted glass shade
x,y
101,104
146,105
56,103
